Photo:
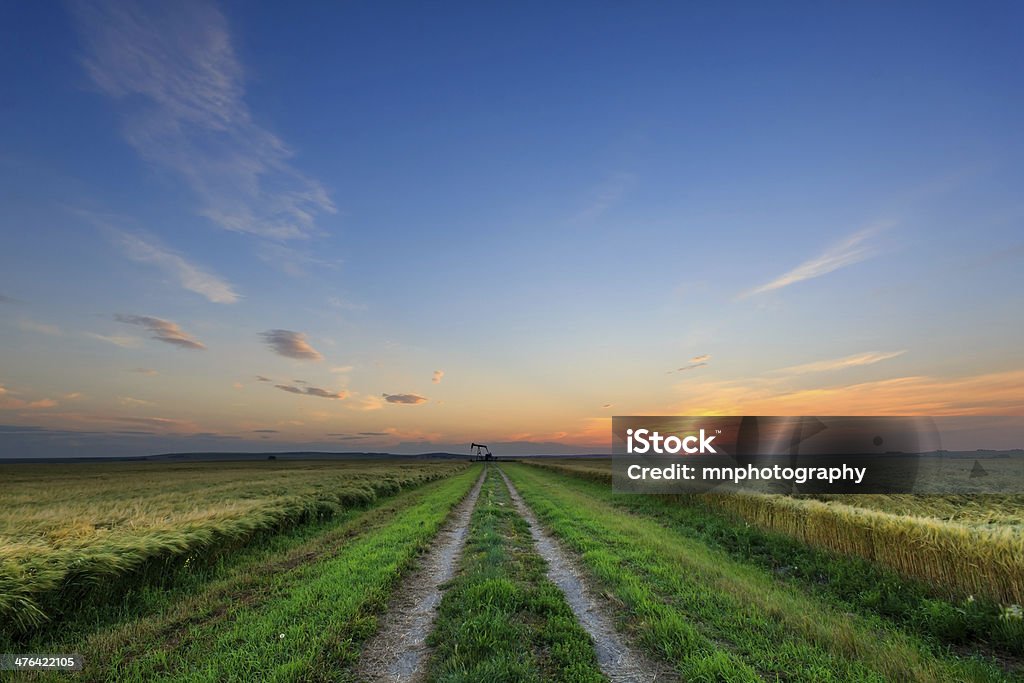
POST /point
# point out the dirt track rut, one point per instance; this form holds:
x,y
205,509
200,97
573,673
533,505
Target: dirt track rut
x,y
397,652
619,661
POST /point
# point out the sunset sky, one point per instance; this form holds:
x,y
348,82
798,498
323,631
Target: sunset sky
x,y
406,227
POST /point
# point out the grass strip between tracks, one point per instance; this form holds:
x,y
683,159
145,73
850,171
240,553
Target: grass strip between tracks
x,y
501,619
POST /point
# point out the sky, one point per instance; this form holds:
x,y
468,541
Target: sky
x,y
406,227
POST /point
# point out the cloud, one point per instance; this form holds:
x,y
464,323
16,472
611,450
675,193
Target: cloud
x,y
123,342
342,369
851,250
324,393
691,366
312,391
145,371
130,402
342,304
408,399
607,405
291,261
265,431
438,374
605,196
343,436
855,360
8,401
188,275
366,403
701,359
290,344
156,422
261,378
999,393
174,69
40,328
7,300
162,330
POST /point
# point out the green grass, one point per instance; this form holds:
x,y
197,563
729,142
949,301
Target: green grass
x,y
716,616
322,594
68,532
851,583
919,537
501,619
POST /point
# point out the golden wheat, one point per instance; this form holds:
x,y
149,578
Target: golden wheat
x,y
71,526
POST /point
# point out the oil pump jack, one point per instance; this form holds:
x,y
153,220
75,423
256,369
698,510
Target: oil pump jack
x,y
481,452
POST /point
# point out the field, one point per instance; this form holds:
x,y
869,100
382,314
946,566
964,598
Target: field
x,y
67,528
445,571
964,545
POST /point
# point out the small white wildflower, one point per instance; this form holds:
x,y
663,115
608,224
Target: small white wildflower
x,y
282,636
1012,612
970,599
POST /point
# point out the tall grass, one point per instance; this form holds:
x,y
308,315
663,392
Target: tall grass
x,y
959,558
65,529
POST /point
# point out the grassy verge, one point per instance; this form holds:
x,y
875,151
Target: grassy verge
x,y
500,618
69,534
718,618
296,615
851,583
958,558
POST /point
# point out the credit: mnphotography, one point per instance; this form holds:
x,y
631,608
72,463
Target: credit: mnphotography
x,y
799,475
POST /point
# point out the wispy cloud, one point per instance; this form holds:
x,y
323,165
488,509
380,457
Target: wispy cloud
x,y
408,399
604,196
292,261
261,378
116,340
10,401
131,402
290,344
365,403
312,391
695,362
343,304
853,249
691,366
174,69
39,328
857,359
999,393
189,275
438,375
7,300
162,330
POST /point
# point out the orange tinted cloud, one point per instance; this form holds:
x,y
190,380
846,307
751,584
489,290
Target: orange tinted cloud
x,y
1000,393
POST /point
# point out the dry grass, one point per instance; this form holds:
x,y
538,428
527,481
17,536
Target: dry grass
x,y
66,527
965,545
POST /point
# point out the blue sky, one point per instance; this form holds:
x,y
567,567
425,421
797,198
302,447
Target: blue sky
x,y
814,208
